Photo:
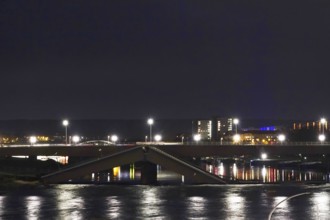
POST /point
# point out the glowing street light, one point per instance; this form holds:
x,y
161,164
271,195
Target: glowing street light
x,y
264,156
322,138
323,122
150,123
281,138
66,124
33,140
75,139
236,138
114,138
235,121
158,137
197,137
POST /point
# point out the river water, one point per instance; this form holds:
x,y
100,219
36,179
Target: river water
x,y
255,201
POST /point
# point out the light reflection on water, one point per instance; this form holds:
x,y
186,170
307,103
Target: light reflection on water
x,y
151,203
165,202
114,207
70,203
33,204
2,204
196,206
235,205
321,204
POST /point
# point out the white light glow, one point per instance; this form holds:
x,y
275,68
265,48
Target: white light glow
x,y
321,137
114,138
281,137
65,123
236,138
158,137
33,139
234,170
150,121
264,156
75,139
221,169
197,137
235,121
323,121
264,173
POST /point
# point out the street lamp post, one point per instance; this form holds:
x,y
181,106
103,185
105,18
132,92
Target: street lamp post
x,y
65,124
281,138
75,139
150,123
158,138
323,122
236,138
321,138
235,121
114,138
33,140
197,137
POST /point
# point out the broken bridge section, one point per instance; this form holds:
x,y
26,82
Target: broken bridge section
x,y
149,154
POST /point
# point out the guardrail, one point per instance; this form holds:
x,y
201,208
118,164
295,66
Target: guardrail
x,y
199,143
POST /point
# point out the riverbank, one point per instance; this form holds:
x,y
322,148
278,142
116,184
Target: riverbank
x,y
11,181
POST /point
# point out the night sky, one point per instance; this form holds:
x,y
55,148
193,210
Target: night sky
x,y
130,59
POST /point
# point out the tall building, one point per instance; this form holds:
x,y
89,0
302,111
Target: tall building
x,y
204,128
222,127
213,129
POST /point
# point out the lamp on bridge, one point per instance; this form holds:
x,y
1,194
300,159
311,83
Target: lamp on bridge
x,y
150,123
322,138
323,121
236,138
114,138
197,137
33,140
281,138
75,139
66,124
158,137
235,121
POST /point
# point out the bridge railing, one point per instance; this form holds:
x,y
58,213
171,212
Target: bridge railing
x,y
287,143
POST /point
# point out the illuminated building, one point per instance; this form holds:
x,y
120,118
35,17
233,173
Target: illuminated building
x,y
222,127
213,129
259,137
203,128
310,125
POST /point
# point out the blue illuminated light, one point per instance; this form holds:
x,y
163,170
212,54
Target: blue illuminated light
x,y
268,128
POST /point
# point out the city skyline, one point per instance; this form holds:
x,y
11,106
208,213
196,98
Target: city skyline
x,y
133,60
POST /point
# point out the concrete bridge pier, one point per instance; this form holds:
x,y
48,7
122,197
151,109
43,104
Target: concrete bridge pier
x,y
148,173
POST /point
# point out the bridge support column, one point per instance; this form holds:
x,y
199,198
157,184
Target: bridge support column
x,y
148,173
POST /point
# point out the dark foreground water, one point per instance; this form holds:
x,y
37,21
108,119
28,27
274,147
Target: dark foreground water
x,y
165,202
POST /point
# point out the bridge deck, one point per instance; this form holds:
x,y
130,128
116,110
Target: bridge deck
x,y
181,150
